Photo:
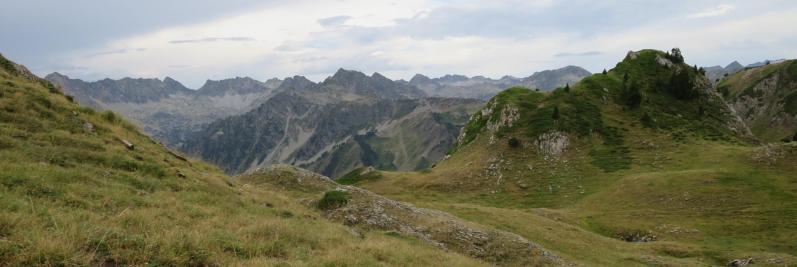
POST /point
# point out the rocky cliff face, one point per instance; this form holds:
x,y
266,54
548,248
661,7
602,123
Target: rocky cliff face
x,y
480,87
166,109
765,98
348,121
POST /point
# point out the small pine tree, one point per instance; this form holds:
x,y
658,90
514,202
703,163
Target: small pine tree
x,y
700,110
513,142
647,121
632,95
604,72
676,56
567,88
555,115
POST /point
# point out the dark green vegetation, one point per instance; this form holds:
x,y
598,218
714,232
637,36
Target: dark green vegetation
x,y
332,200
654,169
359,174
73,193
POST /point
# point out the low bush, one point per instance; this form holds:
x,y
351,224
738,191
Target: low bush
x,y
333,199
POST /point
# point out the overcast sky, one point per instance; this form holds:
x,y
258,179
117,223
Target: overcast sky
x,y
192,40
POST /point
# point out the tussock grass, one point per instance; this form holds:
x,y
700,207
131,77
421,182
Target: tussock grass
x,y
72,195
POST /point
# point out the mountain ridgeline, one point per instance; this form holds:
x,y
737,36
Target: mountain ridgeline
x,y
348,121
166,109
393,125
480,87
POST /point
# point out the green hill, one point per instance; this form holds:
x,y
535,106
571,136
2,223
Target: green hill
x,y
643,165
766,99
82,188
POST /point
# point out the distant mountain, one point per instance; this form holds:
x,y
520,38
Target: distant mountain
x,y
715,73
765,62
347,121
166,109
480,87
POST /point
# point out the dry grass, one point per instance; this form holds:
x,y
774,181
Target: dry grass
x,y
74,196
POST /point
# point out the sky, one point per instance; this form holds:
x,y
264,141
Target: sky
x,y
195,40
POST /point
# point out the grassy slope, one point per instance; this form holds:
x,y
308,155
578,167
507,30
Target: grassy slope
x,y
775,107
707,196
72,196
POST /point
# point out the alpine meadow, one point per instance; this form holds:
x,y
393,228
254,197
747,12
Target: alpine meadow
x,y
412,133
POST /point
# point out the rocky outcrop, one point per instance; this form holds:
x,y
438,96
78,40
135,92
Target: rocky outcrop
x,y
366,210
551,144
509,114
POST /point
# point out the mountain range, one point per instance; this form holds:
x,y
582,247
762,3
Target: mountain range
x,y
166,109
647,164
349,120
480,87
241,123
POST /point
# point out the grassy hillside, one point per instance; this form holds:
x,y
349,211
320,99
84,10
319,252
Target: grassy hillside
x,y
72,193
766,99
644,165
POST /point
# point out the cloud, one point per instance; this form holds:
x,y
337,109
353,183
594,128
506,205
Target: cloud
x,y
213,39
579,54
333,21
469,37
115,52
713,12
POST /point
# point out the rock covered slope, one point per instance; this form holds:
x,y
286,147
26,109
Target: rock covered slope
x,y
365,210
84,188
347,121
766,99
480,87
166,109
645,165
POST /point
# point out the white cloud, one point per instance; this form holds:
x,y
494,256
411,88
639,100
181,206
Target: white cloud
x,y
399,39
713,12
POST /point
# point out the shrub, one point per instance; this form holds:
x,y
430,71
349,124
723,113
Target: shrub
x,y
333,199
514,142
555,114
110,116
647,121
681,85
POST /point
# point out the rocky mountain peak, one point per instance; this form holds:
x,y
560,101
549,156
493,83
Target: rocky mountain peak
x,y
453,78
733,67
296,83
419,79
237,85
